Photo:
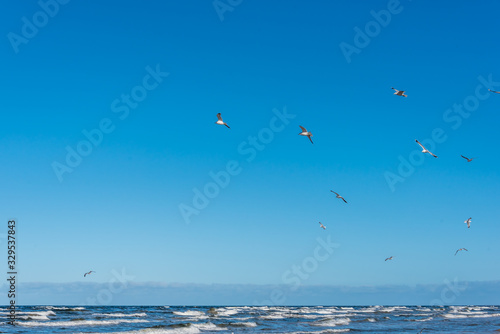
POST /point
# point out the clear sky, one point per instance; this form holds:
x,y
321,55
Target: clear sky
x,y
152,77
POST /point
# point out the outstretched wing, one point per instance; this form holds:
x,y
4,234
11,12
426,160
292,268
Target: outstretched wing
x,y
302,128
219,117
310,139
334,192
493,91
419,143
344,199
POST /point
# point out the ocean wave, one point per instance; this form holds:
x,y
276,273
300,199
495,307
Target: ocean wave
x,y
326,331
65,309
464,315
120,315
78,323
333,322
189,313
36,315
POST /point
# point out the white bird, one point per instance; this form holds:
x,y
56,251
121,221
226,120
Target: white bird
x,y
461,250
493,91
424,150
322,226
399,92
468,221
389,258
220,121
90,272
306,133
468,160
338,196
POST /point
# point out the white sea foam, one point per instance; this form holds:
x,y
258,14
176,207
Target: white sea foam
x,y
208,326
79,308
224,312
78,323
189,313
333,322
37,315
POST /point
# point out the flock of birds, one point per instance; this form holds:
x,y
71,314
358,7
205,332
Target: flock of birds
x,y
308,134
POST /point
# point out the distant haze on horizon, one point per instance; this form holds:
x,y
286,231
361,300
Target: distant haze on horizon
x,y
112,160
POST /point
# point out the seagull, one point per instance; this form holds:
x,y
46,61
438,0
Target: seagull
x,y
90,272
338,196
399,92
461,250
468,222
425,150
322,226
493,91
468,160
220,121
306,133
389,258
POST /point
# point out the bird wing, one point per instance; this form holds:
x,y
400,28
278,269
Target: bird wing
x,y
395,89
435,156
420,144
343,199
84,275
334,192
493,91
464,157
310,139
227,125
457,251
219,117
303,129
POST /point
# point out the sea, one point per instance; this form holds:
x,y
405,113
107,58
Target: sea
x,y
253,319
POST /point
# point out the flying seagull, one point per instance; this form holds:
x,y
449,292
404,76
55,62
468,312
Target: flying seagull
x,y
322,226
461,250
90,272
468,222
399,92
220,121
468,160
424,150
389,258
493,91
338,196
306,133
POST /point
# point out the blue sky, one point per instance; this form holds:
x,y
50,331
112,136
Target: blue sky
x,y
119,207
